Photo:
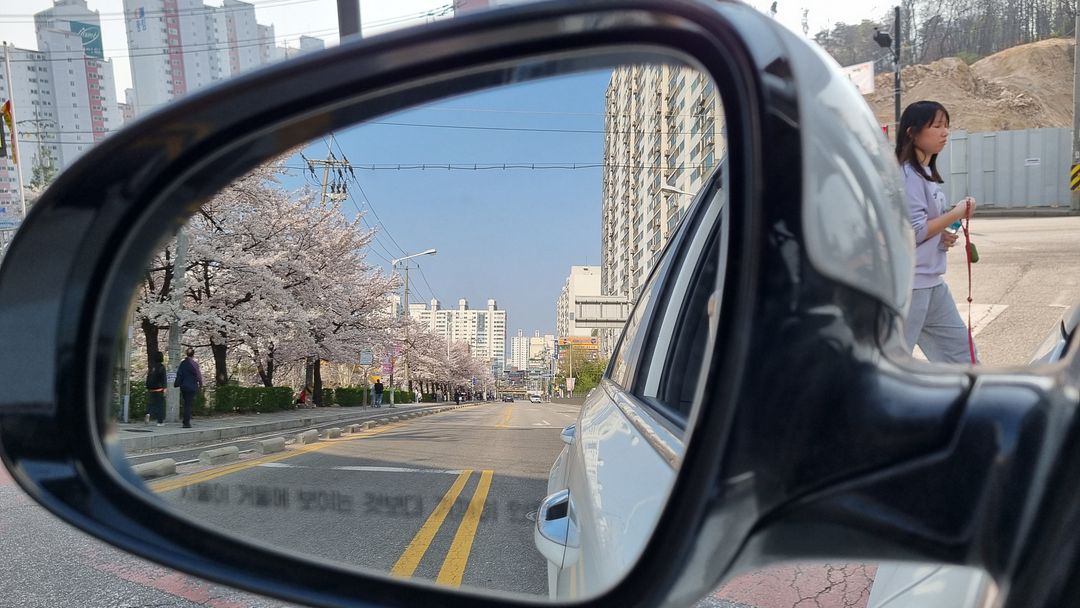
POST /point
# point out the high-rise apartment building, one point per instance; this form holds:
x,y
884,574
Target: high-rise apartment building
x,y
519,351
664,135
179,46
483,329
64,94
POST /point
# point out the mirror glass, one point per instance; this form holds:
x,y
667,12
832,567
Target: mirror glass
x,y
394,341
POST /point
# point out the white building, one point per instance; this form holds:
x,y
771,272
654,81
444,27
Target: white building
x,y
583,311
33,100
64,95
519,351
483,330
541,352
179,46
583,280
664,129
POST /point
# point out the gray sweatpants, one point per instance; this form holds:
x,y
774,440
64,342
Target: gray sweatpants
x,y
934,324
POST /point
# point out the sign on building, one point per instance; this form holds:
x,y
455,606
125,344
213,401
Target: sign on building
x,y
91,38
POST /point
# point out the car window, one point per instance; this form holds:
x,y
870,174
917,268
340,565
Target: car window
x,y
621,361
677,347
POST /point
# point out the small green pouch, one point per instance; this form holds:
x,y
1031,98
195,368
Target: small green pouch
x,y
973,252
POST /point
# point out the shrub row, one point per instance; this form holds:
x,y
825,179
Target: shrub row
x,y
245,399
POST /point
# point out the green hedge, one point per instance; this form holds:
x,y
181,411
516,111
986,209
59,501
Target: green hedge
x,y
245,399
350,396
429,398
328,396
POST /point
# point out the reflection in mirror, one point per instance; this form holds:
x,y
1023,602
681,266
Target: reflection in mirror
x,y
384,335
855,585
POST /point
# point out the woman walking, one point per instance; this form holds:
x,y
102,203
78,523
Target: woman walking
x,y
933,322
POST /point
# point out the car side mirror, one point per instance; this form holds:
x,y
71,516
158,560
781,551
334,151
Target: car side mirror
x,y
794,426
567,434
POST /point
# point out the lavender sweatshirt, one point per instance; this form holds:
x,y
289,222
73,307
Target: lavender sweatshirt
x,y
926,201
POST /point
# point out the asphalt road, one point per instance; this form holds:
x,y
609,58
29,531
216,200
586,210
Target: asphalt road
x,y
1027,277
449,497
45,563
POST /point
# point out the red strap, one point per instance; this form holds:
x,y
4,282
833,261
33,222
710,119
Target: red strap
x,y
967,253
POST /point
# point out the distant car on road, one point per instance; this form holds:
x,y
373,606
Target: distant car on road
x,y
508,398
534,398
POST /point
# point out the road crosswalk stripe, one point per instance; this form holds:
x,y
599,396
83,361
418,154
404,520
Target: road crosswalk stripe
x,y
453,567
410,559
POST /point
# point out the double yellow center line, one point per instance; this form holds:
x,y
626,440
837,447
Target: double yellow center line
x,y
453,565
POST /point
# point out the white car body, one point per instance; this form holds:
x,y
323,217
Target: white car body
x,y
599,515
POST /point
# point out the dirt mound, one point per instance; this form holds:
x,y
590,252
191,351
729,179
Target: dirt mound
x,y
1028,86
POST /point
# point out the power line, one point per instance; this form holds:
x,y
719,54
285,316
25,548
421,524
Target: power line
x,y
204,10
211,47
424,276
160,51
367,199
510,166
532,129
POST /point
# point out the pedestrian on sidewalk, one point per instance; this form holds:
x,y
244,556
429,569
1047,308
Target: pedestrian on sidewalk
x,y
378,388
157,379
190,381
933,322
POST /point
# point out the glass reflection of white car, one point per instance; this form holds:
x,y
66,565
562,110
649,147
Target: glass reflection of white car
x,y
598,515
914,585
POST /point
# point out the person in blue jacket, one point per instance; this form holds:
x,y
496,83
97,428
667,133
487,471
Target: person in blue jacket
x,y
189,380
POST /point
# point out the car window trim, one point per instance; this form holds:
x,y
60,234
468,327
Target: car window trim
x,y
663,341
656,431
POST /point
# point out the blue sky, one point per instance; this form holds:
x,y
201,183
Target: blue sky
x,y
512,234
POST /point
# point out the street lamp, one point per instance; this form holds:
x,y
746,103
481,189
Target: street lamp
x,y
394,263
674,190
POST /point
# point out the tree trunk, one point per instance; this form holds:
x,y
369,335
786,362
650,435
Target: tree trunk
x,y
265,367
317,373
150,330
309,371
221,365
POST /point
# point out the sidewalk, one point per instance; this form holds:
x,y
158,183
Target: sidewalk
x,y
137,436
991,211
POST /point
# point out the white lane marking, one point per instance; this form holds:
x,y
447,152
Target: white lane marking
x,y
981,314
285,465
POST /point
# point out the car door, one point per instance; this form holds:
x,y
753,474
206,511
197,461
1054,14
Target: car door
x,y
629,439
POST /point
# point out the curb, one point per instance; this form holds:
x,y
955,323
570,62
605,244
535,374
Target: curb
x,y
156,468
151,442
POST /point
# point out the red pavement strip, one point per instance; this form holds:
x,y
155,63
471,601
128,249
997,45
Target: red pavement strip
x,y
802,586
173,583
154,577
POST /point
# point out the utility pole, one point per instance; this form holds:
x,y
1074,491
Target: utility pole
x,y
896,63
884,41
172,403
1074,173
348,18
338,186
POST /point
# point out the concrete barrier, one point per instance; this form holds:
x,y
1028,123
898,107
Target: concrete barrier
x,y
333,433
220,455
270,446
156,468
352,428
307,437
365,426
